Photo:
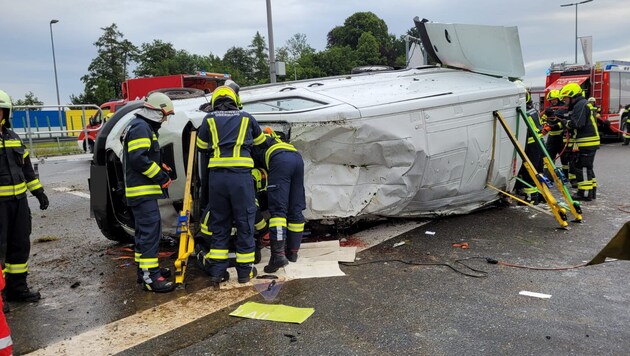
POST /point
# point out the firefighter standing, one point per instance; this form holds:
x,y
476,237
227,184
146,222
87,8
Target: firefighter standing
x,y
585,140
228,135
286,200
145,180
625,121
16,177
553,125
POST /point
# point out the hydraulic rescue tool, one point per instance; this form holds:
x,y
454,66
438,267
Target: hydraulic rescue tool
x,y
186,238
555,172
558,211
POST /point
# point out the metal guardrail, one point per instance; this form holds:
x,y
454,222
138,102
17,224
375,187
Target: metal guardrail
x,y
30,133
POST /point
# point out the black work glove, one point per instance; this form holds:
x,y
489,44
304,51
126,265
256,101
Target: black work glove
x,y
42,198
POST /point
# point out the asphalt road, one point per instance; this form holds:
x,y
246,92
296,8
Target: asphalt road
x,y
379,307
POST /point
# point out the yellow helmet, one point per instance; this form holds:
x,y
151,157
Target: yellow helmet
x,y
161,102
223,93
260,179
6,106
571,90
553,94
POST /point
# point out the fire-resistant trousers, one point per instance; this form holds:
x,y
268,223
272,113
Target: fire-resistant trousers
x,y
148,231
15,243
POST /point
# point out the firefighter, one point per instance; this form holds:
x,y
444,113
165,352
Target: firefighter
x,y
625,122
534,152
286,199
16,177
228,135
585,140
553,126
146,181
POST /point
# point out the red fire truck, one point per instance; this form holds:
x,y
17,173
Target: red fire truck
x,y
607,81
178,86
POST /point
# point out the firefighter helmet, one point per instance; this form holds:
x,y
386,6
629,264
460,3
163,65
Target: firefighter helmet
x,y
232,84
553,94
160,102
591,100
571,90
6,106
223,94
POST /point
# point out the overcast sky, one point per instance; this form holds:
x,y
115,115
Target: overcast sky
x,y
547,31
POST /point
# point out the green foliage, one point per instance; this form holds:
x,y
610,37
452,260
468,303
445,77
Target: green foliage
x,y
354,27
260,58
368,51
238,63
156,58
29,99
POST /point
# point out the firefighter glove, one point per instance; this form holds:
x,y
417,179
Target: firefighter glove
x,y
42,198
168,170
168,182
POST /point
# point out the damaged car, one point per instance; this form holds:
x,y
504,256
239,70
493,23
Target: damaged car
x,y
414,142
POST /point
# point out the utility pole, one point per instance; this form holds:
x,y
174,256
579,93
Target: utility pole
x,y
272,56
52,42
576,22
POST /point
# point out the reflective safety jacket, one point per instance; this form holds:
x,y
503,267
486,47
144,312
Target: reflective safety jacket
x,y
273,144
16,171
582,122
554,122
534,119
229,136
142,162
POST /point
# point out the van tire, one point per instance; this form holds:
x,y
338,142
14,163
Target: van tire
x,y
180,93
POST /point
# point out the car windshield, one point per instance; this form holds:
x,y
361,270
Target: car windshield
x,y
284,104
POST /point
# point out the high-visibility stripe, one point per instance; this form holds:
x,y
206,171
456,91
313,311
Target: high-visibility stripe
x,y
241,137
276,146
528,190
260,225
244,257
141,190
215,137
25,154
137,257
138,143
295,227
260,139
594,182
10,143
5,342
273,222
34,185
10,190
148,263
16,268
153,170
216,254
204,225
218,162
201,144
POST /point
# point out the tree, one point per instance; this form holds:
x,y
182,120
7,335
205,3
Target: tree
x,y
155,58
239,64
29,100
354,27
108,70
368,50
260,58
297,46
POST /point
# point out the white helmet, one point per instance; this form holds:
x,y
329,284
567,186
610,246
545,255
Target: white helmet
x,y
6,106
591,100
161,102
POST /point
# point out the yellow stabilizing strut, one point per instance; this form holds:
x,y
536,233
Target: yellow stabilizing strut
x,y
555,172
186,238
558,211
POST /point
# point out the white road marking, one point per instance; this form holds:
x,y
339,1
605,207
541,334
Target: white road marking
x,y
71,191
115,337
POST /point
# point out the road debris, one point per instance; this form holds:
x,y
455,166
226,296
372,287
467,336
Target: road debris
x,y
399,243
462,245
429,232
534,294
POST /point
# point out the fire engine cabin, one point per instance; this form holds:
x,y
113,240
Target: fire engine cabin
x,y
607,81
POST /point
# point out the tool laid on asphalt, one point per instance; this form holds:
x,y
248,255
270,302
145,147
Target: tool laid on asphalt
x,y
555,172
557,210
186,238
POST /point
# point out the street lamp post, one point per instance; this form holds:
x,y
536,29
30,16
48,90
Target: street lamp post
x,y
272,58
576,21
52,42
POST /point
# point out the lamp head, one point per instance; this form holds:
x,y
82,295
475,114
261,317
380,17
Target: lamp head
x,y
53,21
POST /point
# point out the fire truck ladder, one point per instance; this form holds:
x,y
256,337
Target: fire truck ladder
x,y
558,212
597,80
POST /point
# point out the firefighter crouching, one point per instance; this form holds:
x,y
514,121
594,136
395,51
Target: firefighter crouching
x,y
286,199
228,135
533,151
145,182
16,177
584,142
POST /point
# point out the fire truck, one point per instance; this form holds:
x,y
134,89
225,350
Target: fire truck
x,y
179,86
607,81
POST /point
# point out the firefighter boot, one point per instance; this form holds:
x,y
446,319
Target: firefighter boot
x,y
153,281
278,259
257,251
165,272
246,272
17,290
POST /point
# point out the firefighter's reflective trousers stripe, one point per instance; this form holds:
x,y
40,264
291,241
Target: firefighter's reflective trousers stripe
x,y
148,231
232,203
285,193
585,175
15,243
